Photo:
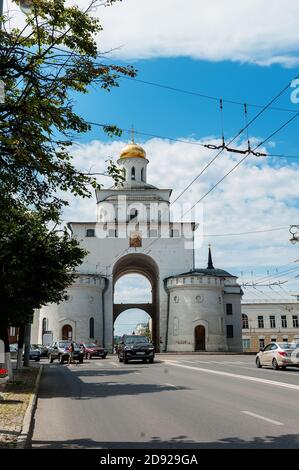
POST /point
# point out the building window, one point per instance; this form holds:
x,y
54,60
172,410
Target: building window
x,y
295,321
285,339
44,325
142,174
262,344
272,321
124,173
133,214
112,233
229,309
246,343
133,173
91,327
260,321
90,232
12,331
245,324
229,331
284,323
153,233
273,340
174,233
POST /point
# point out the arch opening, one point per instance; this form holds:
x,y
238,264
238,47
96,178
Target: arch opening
x,y
135,287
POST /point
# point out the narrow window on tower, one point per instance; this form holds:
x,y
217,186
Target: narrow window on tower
x,y
142,174
133,173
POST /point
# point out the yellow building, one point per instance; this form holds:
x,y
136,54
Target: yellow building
x,y
273,320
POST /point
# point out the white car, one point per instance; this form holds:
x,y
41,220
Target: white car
x,y
279,355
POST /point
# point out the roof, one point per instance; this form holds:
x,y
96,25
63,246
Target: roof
x,y
205,272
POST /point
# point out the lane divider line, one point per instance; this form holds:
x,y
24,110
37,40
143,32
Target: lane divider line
x,y
236,376
272,421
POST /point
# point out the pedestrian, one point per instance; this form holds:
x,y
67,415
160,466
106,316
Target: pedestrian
x,y
71,353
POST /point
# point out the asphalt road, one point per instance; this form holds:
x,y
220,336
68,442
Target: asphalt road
x,y
181,401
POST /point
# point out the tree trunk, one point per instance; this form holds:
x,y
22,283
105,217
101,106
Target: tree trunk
x,y
27,344
20,347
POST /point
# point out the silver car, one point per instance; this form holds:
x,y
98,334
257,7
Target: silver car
x,y
279,355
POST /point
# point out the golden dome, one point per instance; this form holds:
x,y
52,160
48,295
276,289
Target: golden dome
x,y
132,151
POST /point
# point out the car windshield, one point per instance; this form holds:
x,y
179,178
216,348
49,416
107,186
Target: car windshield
x,y
288,345
66,344
135,339
91,345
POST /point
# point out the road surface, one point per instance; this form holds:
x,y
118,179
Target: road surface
x,y
181,401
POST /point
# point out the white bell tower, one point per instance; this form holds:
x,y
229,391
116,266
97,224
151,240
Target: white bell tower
x,y
134,163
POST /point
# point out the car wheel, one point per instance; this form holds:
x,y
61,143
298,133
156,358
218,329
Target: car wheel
x,y
126,360
120,359
144,361
104,357
151,360
275,365
80,360
258,363
284,367
37,359
51,359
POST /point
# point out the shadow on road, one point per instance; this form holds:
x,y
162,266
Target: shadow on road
x,y
288,441
83,384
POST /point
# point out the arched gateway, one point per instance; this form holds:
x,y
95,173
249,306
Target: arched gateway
x,y
134,234
138,263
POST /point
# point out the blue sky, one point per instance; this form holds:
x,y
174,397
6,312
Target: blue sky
x,y
177,115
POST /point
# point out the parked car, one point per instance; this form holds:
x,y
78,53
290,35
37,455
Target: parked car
x,y
60,350
13,348
279,355
34,354
43,349
93,350
135,347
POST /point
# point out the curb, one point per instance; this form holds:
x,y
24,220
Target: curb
x,y
24,437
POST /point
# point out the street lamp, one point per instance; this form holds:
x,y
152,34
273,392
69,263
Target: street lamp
x,y
25,6
294,231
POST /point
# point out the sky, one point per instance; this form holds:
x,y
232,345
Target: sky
x,y
242,52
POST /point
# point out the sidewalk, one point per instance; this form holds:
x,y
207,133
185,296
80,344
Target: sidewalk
x,y
17,396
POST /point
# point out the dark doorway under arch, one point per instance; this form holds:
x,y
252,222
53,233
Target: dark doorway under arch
x,y
147,267
67,332
200,338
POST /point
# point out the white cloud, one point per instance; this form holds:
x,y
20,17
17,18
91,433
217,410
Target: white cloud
x,y
259,31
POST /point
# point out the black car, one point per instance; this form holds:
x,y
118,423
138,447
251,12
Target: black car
x,y
135,347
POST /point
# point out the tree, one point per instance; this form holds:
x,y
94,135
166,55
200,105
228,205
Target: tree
x,y
36,265
54,56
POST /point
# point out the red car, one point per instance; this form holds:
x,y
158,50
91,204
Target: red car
x,y
93,350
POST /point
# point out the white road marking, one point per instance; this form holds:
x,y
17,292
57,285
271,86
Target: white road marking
x,y
100,364
115,364
236,376
272,421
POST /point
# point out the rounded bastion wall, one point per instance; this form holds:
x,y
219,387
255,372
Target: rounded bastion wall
x,y
195,301
84,303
